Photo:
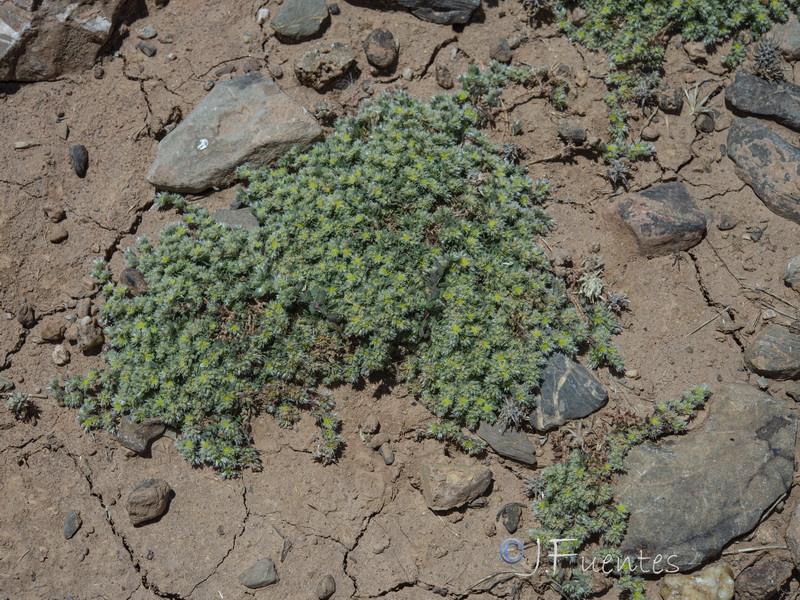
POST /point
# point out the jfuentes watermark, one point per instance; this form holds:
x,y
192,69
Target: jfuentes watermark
x,y
513,551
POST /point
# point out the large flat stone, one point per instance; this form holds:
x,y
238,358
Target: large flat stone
x,y
768,164
247,120
300,19
690,495
508,442
443,12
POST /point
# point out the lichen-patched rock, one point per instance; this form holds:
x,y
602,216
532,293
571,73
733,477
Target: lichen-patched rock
x,y
244,120
757,96
768,164
689,496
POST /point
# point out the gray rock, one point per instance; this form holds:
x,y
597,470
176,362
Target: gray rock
x,y
727,222
53,330
146,33
449,486
768,164
381,49
793,535
300,19
499,50
792,276
261,574
442,12
326,587
511,514
139,436
762,581
670,100
133,280
779,100
661,219
688,496
79,156
148,50
386,453
26,316
90,334
6,385
444,77
245,120
572,131
148,500
775,352
44,39
322,66
568,391
72,523
787,37
508,442
242,217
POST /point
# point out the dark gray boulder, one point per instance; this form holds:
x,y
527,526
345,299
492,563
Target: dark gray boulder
x,y
779,100
300,20
688,496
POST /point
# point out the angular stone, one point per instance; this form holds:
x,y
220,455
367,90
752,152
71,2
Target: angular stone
x,y
381,49
444,77
261,574
568,391
572,131
768,164
326,587
241,217
787,37
90,334
133,280
245,120
72,523
508,442
793,535
449,486
715,582
442,12
499,50
775,352
779,100
662,219
300,19
79,156
762,581
792,276
26,316
139,436
322,66
41,41
690,495
148,500
53,330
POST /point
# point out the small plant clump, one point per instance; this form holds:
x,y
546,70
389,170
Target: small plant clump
x,y
21,405
767,62
635,34
404,242
574,500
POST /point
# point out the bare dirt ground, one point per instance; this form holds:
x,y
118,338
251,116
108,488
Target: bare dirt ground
x,y
359,520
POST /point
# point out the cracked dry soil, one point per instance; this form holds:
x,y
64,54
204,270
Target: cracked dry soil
x,y
359,520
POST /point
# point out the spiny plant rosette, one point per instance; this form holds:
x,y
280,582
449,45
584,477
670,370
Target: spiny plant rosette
x,y
573,500
635,34
402,242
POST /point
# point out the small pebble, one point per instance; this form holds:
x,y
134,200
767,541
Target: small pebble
x,y
54,214
72,523
147,49
276,71
650,134
326,587
63,131
262,15
208,85
727,222
167,39
58,235
763,383
61,355
387,454
334,9
146,33
98,72
408,73
80,159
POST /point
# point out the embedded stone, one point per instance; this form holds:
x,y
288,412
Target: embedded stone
x,y
444,77
53,330
90,334
245,120
6,385
568,391
779,100
449,486
775,352
714,582
72,523
133,280
139,436
240,217
768,164
79,156
442,12
792,276
26,316
381,49
508,442
499,50
326,587
148,500
762,581
300,19
787,37
260,575
661,219
689,495
320,67
793,535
